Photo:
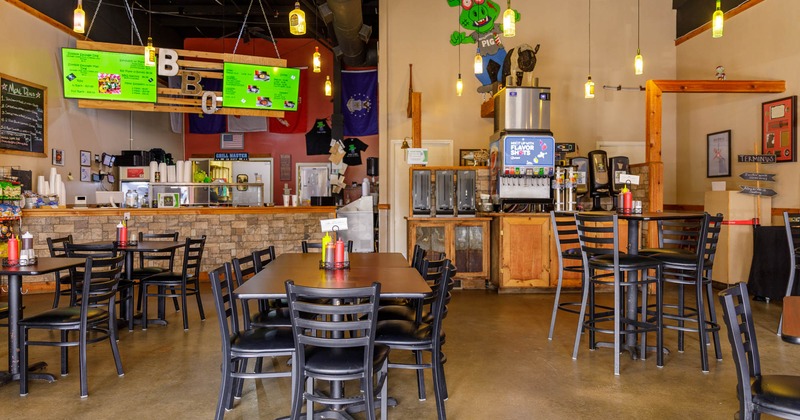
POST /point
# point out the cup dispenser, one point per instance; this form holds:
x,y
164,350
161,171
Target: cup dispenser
x,y
421,191
619,166
599,178
465,190
445,191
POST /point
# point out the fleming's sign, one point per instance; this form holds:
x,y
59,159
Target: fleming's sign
x,y
192,67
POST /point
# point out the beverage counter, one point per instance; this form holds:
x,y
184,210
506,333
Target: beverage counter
x,y
230,231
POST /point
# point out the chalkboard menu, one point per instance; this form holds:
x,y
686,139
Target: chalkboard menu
x,y
23,124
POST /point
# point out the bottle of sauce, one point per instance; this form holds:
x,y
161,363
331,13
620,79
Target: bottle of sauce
x,y
13,251
338,259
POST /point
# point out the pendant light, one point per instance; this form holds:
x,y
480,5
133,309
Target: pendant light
x,y
588,87
315,61
149,50
297,20
716,22
78,18
638,62
478,63
509,21
328,86
459,81
459,85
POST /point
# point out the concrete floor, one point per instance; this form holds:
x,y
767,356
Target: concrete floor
x,y
500,366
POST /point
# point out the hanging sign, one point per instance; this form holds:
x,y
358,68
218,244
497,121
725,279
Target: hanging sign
x,y
232,156
757,158
768,192
757,176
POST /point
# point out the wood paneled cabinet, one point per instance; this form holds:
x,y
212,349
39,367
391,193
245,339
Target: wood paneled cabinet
x,y
464,240
521,252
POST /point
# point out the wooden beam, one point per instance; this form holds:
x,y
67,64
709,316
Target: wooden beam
x,y
416,119
652,146
707,27
721,86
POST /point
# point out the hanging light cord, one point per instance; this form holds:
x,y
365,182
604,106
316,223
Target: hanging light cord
x,y
638,24
133,22
244,23
149,18
269,28
93,17
590,37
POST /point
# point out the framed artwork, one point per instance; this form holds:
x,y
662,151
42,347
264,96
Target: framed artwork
x,y
86,158
718,160
169,200
86,174
58,157
779,129
231,141
473,157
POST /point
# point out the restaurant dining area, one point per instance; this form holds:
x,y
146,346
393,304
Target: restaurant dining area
x,y
279,209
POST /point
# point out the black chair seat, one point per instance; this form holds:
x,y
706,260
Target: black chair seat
x,y
778,392
67,316
401,333
679,260
280,317
401,312
261,340
140,273
342,360
651,251
167,278
626,262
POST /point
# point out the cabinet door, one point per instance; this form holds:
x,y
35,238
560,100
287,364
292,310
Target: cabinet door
x,y
526,252
429,237
469,248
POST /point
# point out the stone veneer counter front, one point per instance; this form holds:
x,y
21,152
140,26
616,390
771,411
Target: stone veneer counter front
x,y
230,232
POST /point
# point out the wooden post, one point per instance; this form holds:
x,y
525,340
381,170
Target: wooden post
x,y
416,119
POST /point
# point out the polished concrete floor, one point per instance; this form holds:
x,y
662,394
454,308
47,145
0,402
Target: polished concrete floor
x,y
500,366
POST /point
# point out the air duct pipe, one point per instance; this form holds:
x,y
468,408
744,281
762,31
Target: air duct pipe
x,y
351,33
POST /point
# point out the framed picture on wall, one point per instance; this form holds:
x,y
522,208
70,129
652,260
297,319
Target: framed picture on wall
x,y
58,157
779,129
86,174
86,158
718,160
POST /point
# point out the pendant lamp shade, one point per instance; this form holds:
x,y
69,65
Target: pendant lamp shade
x,y
297,20
79,18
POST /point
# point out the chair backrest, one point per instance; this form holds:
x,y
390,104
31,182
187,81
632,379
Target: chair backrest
x,y
566,238
57,246
193,257
320,320
442,292
680,233
305,245
742,335
98,250
263,257
598,234
791,221
222,286
168,256
244,268
417,256
100,280
712,226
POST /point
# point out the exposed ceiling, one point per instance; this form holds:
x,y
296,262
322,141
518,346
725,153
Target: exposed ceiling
x,y
171,21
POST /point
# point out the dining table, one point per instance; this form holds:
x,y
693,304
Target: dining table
x,y
130,249
397,278
634,233
790,329
15,274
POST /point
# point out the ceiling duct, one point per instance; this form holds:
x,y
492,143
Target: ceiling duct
x,y
348,25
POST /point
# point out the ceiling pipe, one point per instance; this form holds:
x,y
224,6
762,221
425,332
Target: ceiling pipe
x,y
351,33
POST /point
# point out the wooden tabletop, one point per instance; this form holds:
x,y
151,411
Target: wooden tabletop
x,y
43,265
659,215
790,331
391,270
144,246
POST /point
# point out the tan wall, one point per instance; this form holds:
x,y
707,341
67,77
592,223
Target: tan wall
x,y
760,43
31,50
418,32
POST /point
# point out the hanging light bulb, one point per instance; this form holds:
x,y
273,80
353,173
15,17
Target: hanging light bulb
x,y
638,63
478,63
328,86
588,88
79,18
297,20
716,23
149,53
459,85
509,21
315,62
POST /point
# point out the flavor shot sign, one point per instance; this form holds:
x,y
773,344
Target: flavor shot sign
x,y
758,177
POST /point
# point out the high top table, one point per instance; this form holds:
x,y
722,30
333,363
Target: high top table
x,y
397,278
43,265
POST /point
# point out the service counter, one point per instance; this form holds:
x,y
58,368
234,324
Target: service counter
x,y
230,231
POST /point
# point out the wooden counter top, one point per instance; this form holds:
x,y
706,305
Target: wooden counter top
x,y
447,218
109,211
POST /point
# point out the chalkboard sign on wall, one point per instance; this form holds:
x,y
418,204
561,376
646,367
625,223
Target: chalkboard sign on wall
x,y
23,119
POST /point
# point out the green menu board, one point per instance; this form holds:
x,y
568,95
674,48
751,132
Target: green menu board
x,y
260,87
107,76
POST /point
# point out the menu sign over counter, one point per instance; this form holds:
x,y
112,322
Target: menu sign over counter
x,y
260,87
107,76
23,123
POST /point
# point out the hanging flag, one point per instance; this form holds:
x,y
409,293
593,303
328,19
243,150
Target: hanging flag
x,y
360,102
208,123
175,118
295,121
246,124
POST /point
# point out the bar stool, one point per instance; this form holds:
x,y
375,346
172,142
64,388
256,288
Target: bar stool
x,y
565,234
695,270
604,264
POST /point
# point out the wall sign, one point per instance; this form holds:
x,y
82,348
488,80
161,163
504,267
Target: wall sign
x,y
23,117
232,156
778,128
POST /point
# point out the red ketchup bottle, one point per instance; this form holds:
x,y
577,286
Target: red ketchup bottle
x,y
13,251
338,254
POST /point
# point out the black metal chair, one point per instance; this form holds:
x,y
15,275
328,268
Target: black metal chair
x,y
567,249
102,250
679,236
777,395
241,345
604,264
94,315
684,269
791,221
154,262
423,337
178,284
63,282
317,246
266,316
336,342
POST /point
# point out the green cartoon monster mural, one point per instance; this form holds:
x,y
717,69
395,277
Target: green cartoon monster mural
x,y
479,16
